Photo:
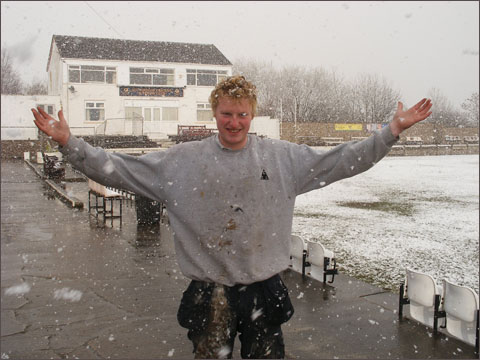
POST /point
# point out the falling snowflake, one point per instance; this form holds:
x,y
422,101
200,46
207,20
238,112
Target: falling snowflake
x,y
256,314
67,294
224,352
108,167
18,289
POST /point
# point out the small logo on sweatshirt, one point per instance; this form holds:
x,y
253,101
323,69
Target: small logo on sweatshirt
x,y
264,175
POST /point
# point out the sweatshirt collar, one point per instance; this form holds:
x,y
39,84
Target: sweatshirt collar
x,y
217,141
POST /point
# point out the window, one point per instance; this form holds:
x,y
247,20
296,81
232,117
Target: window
x,y
92,74
151,76
95,111
156,114
204,112
205,77
160,114
49,109
151,114
170,114
133,112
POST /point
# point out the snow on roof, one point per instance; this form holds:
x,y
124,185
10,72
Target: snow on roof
x,y
136,50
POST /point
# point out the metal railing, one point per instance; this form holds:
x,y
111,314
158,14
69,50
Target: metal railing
x,y
129,126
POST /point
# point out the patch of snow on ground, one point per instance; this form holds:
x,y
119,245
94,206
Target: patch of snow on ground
x,y
18,289
424,215
67,294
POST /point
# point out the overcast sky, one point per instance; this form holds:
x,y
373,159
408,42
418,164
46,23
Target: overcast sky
x,y
415,45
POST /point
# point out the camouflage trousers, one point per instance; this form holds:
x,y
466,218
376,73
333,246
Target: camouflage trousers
x,y
214,314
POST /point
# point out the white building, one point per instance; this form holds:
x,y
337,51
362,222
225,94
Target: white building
x,y
125,87
17,117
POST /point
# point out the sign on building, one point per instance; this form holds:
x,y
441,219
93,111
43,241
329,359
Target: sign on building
x,y
151,91
349,127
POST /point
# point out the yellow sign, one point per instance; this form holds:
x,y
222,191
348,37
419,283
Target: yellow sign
x,y
354,127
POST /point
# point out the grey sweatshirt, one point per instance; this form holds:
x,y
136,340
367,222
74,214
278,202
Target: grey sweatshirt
x,y
231,211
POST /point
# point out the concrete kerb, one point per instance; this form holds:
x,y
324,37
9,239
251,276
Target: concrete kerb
x,y
70,200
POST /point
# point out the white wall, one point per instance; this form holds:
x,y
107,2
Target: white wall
x,y
264,125
17,118
73,101
55,73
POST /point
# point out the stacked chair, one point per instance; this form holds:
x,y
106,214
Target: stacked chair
x,y
298,254
460,304
455,305
312,259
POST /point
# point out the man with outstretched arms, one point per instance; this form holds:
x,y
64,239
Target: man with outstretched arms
x,y
230,201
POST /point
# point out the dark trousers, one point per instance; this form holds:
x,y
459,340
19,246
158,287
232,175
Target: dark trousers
x,y
214,314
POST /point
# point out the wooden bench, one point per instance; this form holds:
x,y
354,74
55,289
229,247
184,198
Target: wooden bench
x,y
470,139
53,166
452,139
332,141
358,138
99,191
191,133
413,140
309,140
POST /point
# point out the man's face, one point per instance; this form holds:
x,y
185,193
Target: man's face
x,y
233,122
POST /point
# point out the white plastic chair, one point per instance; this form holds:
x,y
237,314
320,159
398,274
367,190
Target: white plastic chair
x,y
298,254
322,262
461,308
424,296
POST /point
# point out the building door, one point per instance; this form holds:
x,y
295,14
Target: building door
x,y
133,120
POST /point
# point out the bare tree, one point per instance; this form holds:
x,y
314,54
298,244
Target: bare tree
x,y
335,92
372,100
293,98
471,108
444,112
311,95
11,82
292,93
36,87
265,77
299,94
352,102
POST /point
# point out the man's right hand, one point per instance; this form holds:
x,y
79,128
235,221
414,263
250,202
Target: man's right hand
x,y
57,130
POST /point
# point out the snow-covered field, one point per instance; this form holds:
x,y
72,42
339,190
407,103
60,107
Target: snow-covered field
x,y
417,212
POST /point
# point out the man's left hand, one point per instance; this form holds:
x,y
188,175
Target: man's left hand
x,y
403,119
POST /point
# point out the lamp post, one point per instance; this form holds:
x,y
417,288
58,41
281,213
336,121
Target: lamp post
x,y
295,117
281,119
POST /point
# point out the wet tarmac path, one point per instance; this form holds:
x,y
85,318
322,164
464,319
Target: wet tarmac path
x,y
76,287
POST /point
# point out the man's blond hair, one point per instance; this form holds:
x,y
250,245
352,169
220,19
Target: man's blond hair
x,y
237,88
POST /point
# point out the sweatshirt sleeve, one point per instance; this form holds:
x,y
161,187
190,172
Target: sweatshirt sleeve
x,y
139,174
314,169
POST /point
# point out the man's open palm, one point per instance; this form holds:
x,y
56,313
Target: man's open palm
x,y
57,130
403,119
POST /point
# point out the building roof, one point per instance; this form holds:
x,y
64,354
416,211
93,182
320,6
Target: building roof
x,y
77,47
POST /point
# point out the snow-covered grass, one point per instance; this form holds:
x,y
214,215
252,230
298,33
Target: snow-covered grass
x,y
417,212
